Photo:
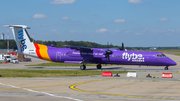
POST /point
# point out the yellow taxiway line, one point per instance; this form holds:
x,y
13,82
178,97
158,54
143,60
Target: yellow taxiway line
x,y
77,84
73,86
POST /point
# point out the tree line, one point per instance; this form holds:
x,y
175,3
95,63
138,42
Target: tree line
x,y
59,44
12,44
75,43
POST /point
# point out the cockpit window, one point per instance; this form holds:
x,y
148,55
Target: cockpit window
x,y
161,55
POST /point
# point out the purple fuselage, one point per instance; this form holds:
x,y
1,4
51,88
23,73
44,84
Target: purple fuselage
x,y
98,56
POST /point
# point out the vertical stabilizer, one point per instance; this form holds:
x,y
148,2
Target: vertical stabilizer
x,y
23,42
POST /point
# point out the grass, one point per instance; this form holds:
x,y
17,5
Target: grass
x,y
177,54
167,51
50,73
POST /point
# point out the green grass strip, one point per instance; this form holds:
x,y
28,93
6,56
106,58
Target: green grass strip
x,y
177,54
50,73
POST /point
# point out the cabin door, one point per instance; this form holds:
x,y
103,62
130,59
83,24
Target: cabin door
x,y
58,56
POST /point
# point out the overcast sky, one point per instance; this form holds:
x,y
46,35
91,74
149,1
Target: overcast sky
x,y
134,22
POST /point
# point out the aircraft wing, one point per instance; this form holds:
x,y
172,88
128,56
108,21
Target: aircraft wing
x,y
86,52
78,47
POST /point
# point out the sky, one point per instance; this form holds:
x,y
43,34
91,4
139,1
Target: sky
x,y
137,23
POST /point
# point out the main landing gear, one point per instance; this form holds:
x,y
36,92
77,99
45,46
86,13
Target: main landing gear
x,y
99,66
166,68
83,67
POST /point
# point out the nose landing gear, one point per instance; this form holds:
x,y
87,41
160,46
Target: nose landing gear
x,y
166,68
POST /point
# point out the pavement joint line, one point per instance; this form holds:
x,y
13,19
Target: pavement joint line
x,y
73,87
52,95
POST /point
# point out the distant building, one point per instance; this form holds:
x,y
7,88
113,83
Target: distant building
x,y
2,36
153,48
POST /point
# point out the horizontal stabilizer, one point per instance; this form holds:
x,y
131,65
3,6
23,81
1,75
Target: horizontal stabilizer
x,y
18,26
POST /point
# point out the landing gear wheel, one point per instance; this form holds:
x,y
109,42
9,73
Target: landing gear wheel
x,y
83,67
99,66
166,68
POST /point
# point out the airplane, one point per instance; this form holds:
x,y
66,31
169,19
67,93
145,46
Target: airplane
x,y
84,55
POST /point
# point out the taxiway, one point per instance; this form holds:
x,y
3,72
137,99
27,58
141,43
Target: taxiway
x,y
93,88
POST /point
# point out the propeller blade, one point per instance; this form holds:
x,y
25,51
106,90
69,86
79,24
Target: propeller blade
x,y
108,52
108,45
123,46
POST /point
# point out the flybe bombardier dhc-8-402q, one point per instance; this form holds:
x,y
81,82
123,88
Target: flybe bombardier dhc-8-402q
x,y
84,55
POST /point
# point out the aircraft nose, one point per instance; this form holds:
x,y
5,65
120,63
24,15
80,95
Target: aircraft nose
x,y
171,62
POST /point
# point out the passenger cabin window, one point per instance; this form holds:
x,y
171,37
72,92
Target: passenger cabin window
x,y
160,55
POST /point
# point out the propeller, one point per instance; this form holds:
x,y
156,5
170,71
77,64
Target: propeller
x,y
108,52
122,47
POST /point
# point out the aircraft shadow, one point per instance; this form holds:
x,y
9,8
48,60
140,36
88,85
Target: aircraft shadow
x,y
108,68
35,67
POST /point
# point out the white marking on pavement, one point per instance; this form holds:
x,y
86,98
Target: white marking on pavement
x,y
30,90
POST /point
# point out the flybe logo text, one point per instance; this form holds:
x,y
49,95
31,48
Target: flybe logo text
x,y
134,57
22,42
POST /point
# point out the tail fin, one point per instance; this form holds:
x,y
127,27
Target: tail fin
x,y
23,42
